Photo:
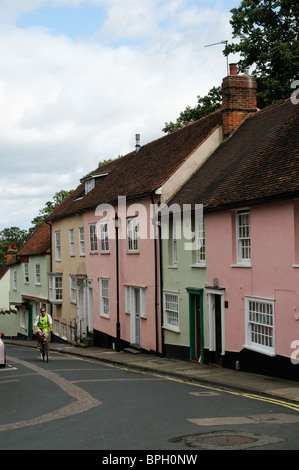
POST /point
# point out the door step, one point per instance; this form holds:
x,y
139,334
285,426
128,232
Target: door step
x,y
132,350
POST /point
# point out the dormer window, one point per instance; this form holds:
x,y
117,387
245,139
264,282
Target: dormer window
x,y
89,185
90,181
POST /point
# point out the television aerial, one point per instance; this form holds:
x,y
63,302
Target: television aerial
x,y
215,44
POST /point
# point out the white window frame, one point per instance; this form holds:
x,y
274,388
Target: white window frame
x,y
93,238
243,237
72,242
26,273
73,290
72,334
55,288
14,279
89,185
133,234
104,233
57,246
22,318
104,297
63,331
260,325
200,234
37,273
81,241
56,327
171,311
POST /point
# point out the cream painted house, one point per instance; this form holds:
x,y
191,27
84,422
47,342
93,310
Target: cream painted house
x,y
67,279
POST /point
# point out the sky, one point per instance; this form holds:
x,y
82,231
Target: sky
x,y
80,78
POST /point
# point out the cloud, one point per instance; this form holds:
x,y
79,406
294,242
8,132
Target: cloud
x,y
68,103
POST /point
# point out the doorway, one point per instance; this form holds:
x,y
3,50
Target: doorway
x,y
90,306
81,314
196,324
30,321
217,330
136,317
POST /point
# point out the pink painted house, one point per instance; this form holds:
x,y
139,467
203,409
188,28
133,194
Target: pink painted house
x,y
249,188
119,288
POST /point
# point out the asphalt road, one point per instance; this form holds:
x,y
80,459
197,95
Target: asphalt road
x,y
79,404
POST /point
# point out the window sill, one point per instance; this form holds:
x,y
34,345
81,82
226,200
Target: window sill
x,y
241,265
260,350
198,265
137,252
172,329
175,266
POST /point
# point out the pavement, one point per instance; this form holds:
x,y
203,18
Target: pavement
x,y
189,371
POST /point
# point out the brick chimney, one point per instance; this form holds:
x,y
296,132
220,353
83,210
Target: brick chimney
x,y
11,252
238,99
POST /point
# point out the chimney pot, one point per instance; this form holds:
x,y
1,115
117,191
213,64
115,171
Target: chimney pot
x,y
233,69
11,252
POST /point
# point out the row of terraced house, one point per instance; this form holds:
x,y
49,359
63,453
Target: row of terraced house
x,y
187,247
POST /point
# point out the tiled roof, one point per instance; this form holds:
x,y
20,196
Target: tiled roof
x,y
38,243
141,173
259,162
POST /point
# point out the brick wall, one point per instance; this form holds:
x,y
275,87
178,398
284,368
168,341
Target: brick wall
x,y
238,99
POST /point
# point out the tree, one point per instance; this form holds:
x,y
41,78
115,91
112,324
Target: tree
x,y
14,236
58,198
206,105
268,39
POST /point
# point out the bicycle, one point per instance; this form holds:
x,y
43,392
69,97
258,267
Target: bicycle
x,y
44,347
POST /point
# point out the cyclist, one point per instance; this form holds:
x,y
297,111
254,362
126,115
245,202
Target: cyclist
x,y
43,322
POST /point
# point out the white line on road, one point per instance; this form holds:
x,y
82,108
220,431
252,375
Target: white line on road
x,y
84,401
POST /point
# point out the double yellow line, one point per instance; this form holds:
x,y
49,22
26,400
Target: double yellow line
x,y
268,399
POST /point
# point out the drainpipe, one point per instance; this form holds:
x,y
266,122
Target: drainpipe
x,y
51,263
116,221
156,281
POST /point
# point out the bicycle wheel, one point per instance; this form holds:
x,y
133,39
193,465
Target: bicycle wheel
x,y
43,351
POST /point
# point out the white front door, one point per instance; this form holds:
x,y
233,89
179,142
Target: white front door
x,y
81,314
90,305
135,317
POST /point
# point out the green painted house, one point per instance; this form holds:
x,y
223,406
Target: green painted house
x,y
29,268
184,278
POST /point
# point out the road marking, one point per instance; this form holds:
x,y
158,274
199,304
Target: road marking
x,y
275,418
115,380
7,368
280,402
83,400
8,381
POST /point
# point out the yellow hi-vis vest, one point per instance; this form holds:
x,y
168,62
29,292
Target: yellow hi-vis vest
x,y
43,323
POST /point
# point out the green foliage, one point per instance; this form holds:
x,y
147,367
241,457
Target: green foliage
x,y
58,198
268,39
206,105
17,236
13,236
